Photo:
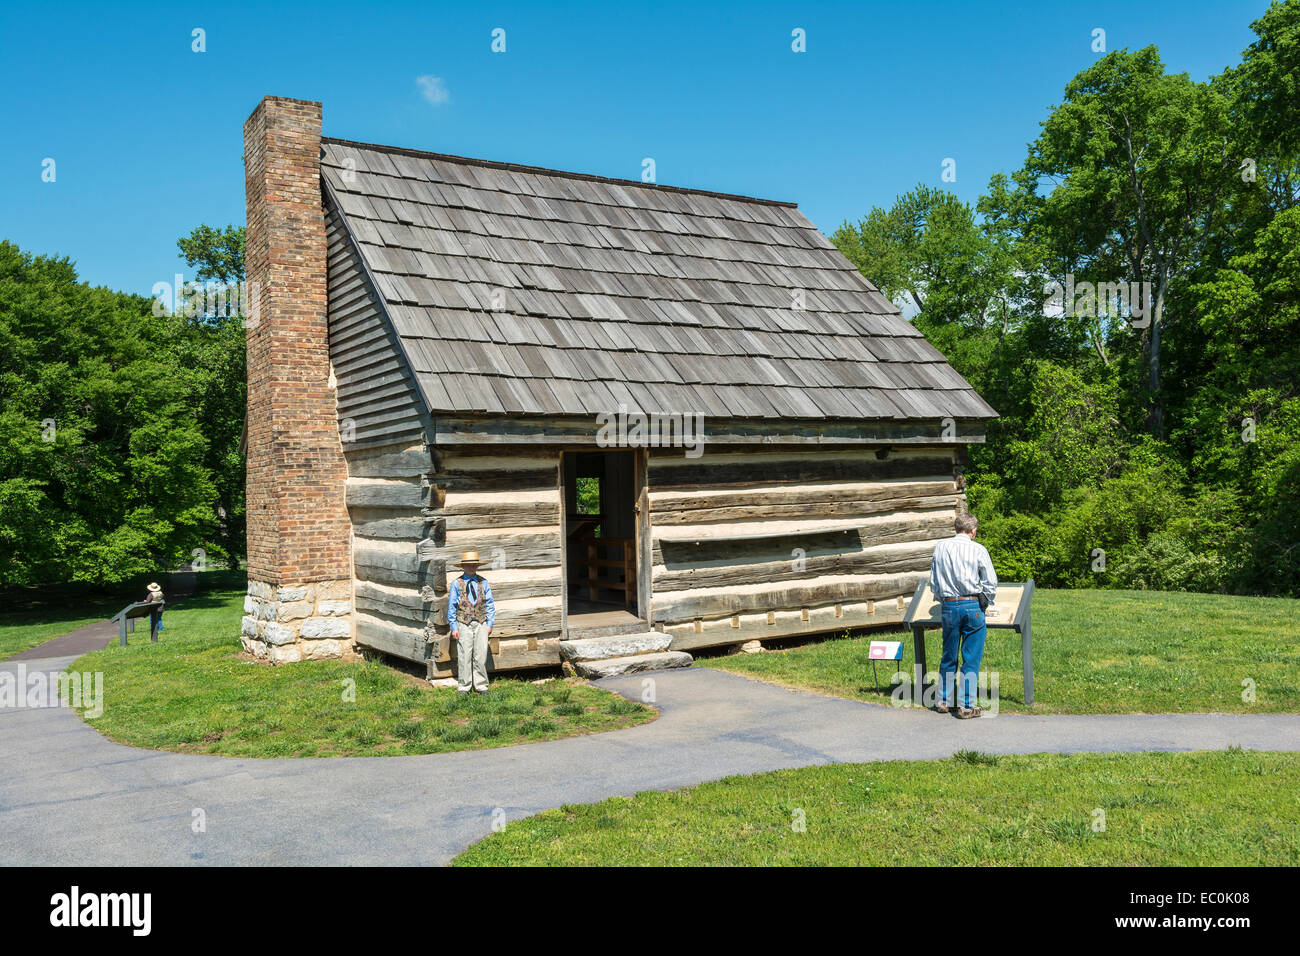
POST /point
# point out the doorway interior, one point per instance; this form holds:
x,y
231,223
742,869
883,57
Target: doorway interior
x,y
600,538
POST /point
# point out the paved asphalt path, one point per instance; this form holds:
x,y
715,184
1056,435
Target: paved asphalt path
x,y
92,637
70,796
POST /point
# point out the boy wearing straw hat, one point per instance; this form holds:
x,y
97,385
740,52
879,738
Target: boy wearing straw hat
x,y
470,615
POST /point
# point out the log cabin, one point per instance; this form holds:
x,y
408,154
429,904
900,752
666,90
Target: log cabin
x,y
668,419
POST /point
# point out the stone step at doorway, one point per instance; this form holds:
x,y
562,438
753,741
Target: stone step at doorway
x,y
612,654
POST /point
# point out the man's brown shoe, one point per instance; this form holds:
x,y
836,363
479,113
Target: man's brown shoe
x,y
966,713
942,709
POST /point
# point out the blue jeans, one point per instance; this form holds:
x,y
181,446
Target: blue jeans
x,y
964,630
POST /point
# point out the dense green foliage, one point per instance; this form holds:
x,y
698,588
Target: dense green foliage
x,y
119,430
588,496
1147,440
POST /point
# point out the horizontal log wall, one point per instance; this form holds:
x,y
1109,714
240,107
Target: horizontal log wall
x,y
414,512
756,543
745,543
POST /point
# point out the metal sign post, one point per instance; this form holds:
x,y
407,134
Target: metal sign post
x,y
150,609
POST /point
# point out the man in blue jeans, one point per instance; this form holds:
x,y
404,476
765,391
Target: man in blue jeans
x,y
963,581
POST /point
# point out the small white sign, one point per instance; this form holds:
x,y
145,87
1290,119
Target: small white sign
x,y
886,650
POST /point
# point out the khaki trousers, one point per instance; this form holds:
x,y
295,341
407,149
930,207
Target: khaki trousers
x,y
471,658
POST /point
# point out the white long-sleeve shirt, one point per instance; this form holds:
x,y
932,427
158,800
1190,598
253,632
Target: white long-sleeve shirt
x,y
961,567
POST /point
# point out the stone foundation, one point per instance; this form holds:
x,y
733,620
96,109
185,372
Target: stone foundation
x,y
290,623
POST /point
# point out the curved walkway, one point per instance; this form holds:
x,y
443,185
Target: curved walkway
x,y
90,637
70,796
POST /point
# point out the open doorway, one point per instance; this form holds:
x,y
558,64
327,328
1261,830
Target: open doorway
x,y
600,529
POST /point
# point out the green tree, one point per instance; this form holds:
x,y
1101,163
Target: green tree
x,y
1130,171
101,449
1138,176
929,248
1072,439
212,346
218,253
1263,93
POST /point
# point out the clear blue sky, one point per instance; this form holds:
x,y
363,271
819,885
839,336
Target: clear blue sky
x,y
146,134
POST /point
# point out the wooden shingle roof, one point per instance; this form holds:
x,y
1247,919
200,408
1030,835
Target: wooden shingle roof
x,y
522,291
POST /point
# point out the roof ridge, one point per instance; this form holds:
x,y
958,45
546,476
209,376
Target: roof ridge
x,y
559,173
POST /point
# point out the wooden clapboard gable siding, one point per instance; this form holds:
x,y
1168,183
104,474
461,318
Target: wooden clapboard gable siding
x,y
378,400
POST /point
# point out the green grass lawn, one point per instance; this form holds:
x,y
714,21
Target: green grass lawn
x,y
194,692
1220,808
1095,652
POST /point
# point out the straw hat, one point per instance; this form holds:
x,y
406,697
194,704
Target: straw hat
x,y
469,558
154,587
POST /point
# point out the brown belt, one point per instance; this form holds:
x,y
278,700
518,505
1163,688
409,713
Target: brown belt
x,y
964,597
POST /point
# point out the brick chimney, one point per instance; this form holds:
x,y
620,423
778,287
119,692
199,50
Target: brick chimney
x,y
299,604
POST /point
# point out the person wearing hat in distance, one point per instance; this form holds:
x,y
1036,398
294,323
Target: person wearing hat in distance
x,y
471,613
153,597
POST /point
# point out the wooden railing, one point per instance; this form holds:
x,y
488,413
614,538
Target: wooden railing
x,y
594,563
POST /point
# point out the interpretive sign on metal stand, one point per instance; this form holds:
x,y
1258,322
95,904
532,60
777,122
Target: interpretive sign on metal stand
x,y
1010,609
150,609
